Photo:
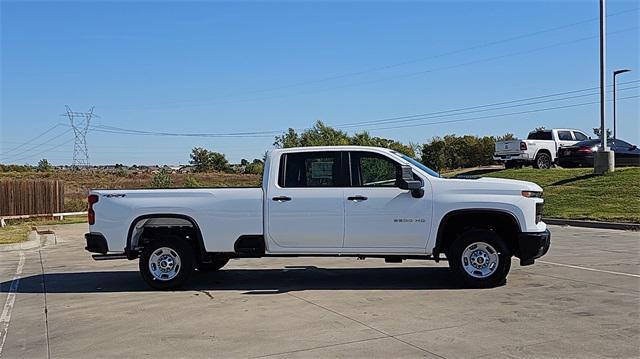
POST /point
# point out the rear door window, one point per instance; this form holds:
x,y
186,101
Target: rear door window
x,y
565,136
580,136
540,135
310,169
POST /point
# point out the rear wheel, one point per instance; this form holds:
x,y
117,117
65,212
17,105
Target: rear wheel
x,y
542,161
480,258
166,263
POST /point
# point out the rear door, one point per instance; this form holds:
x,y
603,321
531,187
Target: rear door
x,y
565,138
378,214
306,205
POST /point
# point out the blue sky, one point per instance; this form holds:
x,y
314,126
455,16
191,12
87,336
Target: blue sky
x,y
228,67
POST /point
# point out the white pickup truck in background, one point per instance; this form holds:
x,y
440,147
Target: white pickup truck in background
x,y
540,149
325,201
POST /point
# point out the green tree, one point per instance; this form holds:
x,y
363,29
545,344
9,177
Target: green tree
x,y
365,139
323,135
207,161
255,167
43,165
433,154
506,137
597,132
287,140
451,151
319,135
161,179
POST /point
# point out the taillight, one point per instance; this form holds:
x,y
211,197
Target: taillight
x,y
523,146
91,215
585,149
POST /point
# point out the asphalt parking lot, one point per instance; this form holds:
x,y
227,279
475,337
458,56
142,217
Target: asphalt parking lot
x,y
581,300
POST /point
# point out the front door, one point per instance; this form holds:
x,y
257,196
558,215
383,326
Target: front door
x,y
306,208
378,214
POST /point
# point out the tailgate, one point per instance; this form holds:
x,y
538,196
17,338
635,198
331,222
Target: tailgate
x,y
510,147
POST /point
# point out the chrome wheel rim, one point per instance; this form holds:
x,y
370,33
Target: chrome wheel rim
x,y
480,260
164,264
543,162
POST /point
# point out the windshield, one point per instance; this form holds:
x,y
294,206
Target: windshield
x,y
420,166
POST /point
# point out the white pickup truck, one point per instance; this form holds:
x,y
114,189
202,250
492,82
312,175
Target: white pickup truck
x,y
325,201
539,149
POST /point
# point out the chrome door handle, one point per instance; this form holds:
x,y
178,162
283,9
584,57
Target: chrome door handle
x,y
357,198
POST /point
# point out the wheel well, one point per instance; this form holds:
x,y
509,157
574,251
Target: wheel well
x,y
543,151
147,228
456,223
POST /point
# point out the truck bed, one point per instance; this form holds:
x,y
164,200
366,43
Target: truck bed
x,y
222,214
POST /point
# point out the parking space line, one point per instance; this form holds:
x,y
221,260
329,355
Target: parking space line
x,y
5,318
590,269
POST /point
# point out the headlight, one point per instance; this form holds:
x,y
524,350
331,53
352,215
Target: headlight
x,y
532,194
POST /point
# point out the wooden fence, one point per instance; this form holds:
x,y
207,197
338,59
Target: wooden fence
x,y
23,197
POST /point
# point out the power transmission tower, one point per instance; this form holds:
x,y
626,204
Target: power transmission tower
x,y
80,123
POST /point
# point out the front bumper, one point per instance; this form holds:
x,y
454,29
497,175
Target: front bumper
x,y
96,243
532,246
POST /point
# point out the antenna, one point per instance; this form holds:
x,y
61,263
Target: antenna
x,y
80,123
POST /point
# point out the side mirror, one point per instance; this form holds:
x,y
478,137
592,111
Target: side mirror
x,y
406,181
633,148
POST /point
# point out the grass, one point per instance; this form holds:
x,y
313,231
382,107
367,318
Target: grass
x,y
578,194
18,230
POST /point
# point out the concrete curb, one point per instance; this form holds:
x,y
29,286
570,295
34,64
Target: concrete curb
x,y
35,240
592,224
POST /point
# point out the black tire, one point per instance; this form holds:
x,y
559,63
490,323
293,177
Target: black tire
x,y
543,161
497,276
214,265
174,246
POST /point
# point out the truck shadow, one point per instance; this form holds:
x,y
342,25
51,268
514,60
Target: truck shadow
x,y
252,281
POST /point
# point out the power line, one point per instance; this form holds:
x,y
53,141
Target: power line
x,y
454,120
486,105
35,155
32,139
41,144
422,116
398,64
406,75
497,115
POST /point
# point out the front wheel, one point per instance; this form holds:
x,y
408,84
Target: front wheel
x,y
480,258
166,263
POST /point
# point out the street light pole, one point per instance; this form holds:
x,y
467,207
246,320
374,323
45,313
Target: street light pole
x,y
603,160
616,73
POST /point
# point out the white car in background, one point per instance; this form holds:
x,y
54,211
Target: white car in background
x,y
540,149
